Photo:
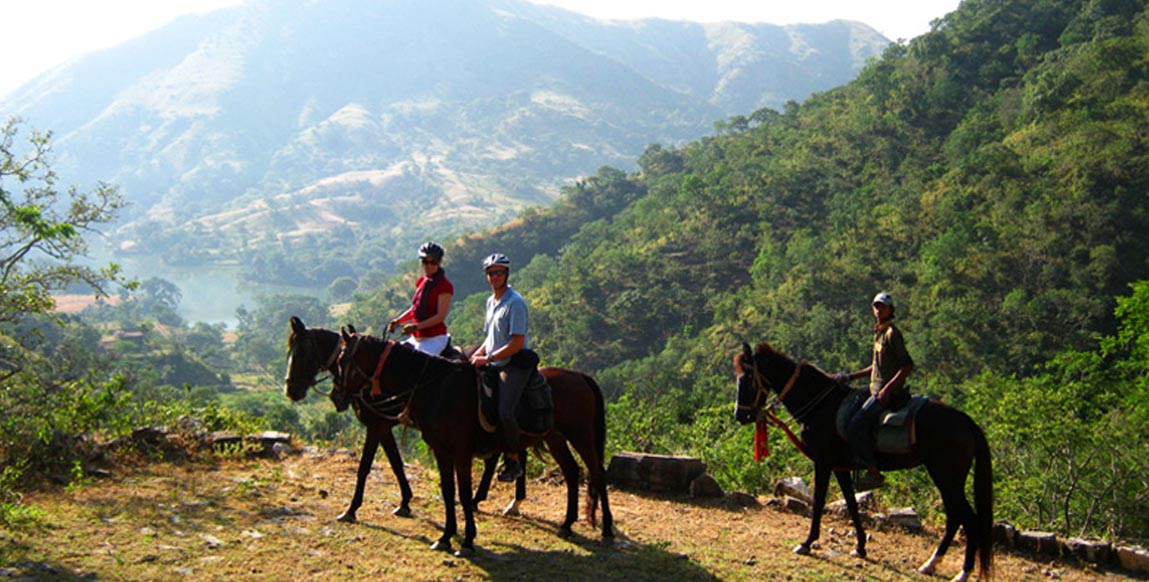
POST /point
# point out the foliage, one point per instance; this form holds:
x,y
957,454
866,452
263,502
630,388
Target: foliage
x,y
990,174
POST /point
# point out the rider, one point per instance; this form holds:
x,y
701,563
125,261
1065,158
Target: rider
x,y
505,327
888,371
424,321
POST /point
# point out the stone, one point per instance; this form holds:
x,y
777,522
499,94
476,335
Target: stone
x,y
793,487
1005,534
1038,542
741,499
1092,551
865,503
905,517
795,505
705,486
1133,558
655,473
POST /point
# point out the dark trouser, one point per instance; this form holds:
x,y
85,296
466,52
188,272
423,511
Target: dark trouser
x,y
860,431
512,381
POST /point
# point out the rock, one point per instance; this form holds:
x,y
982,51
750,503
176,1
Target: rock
x,y
1133,558
742,499
907,518
1005,534
656,473
1092,551
1038,542
793,487
705,486
795,505
865,503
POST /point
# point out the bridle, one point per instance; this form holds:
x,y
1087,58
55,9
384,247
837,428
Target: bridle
x,y
762,393
315,380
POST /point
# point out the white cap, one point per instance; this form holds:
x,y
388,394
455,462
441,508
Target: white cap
x,y
883,298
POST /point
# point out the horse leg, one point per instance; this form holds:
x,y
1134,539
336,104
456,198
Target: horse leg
x,y
821,485
569,466
391,448
489,465
846,484
596,486
958,513
520,487
366,459
463,472
447,490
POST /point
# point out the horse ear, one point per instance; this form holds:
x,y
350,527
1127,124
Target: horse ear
x,y
346,336
297,324
351,328
746,353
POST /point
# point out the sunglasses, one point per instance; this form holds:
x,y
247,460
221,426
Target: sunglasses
x,y
429,261
497,273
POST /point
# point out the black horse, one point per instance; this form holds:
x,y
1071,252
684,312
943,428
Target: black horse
x,y
313,350
441,397
948,443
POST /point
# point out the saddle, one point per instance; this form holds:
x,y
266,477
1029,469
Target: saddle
x,y
534,412
895,433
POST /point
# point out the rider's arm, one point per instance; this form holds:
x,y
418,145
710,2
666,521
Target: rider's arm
x,y
895,383
511,348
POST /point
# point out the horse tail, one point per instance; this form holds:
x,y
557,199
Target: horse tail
x,y
592,492
983,501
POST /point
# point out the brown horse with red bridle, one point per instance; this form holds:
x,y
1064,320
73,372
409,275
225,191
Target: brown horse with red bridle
x,y
949,443
441,397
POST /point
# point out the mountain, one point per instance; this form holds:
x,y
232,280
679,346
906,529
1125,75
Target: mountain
x,y
991,174
279,125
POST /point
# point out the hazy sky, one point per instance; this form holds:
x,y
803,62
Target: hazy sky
x,y
37,35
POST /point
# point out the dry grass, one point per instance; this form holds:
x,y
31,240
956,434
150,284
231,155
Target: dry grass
x,y
227,519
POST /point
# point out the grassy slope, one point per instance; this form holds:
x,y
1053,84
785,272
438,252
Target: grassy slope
x,y
274,520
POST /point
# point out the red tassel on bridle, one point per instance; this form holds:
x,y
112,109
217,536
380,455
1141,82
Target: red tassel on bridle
x,y
761,440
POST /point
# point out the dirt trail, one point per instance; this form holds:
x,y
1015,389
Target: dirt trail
x,y
275,520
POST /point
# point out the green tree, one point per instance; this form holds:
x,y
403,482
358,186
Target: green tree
x,y
42,229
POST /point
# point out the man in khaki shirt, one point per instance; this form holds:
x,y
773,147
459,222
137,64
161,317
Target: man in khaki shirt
x,y
888,371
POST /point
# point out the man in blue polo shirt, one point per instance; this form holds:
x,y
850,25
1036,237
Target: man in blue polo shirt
x,y
505,328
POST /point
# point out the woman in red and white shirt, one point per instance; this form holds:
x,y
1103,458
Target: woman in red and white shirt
x,y
425,321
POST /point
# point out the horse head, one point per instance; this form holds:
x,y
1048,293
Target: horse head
x,y
309,352
751,395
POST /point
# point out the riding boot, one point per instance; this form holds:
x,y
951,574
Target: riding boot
x,y
511,470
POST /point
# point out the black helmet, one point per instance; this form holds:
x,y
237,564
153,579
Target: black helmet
x,y
497,259
431,249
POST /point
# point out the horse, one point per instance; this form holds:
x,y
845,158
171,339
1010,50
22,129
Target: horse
x,y
312,350
441,397
948,443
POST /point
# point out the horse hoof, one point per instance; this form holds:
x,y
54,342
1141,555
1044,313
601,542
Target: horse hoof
x,y
928,567
465,552
565,532
961,577
441,546
402,511
512,510
858,553
802,550
346,517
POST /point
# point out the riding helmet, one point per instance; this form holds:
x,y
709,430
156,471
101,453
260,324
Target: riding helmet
x,y
497,260
431,249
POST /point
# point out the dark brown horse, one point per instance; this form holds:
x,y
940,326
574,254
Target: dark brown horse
x,y
441,398
314,350
948,443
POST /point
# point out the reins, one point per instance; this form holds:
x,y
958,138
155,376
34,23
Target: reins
x,y
767,415
401,400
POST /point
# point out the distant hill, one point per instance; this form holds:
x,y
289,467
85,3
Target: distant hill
x,y
291,123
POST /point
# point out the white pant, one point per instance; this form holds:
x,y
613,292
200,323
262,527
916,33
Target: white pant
x,y
429,345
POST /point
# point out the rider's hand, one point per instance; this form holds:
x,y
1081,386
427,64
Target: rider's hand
x,y
841,377
391,325
410,328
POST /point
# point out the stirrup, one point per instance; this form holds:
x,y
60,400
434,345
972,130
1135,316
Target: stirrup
x,y
869,482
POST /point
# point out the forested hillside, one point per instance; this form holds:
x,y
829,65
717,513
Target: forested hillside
x,y
991,174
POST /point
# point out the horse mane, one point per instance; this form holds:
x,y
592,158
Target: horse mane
x,y
765,348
